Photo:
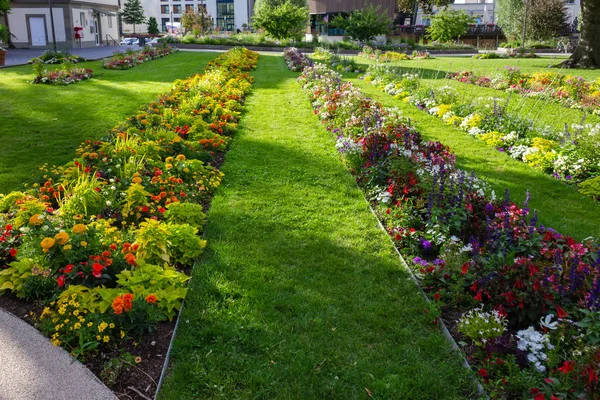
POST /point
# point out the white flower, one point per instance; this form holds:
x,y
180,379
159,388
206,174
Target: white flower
x,y
547,322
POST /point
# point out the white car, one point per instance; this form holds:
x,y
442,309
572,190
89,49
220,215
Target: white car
x,y
130,42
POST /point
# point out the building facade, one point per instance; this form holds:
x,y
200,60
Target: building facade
x,y
75,23
227,15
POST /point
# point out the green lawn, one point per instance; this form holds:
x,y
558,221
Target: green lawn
x,y
560,206
46,123
300,295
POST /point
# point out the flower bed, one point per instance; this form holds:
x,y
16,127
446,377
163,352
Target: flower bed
x,y
567,90
390,56
132,58
521,298
63,76
295,59
335,61
105,242
56,57
572,155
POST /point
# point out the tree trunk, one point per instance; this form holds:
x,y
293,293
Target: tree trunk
x,y
587,53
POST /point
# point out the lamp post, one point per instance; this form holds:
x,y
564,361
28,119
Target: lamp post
x,y
524,27
52,25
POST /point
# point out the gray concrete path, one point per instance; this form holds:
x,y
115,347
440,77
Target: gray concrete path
x,y
32,368
21,56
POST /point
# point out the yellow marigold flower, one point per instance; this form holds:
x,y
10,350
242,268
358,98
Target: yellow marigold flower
x,y
45,312
137,179
62,237
57,327
78,217
176,139
75,312
98,337
102,326
169,159
168,166
83,243
47,244
180,157
90,324
77,325
186,170
36,220
79,229
111,326
66,321
81,319
106,339
122,334
62,309
56,342
67,247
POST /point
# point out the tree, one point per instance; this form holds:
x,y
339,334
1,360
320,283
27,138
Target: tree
x,y
363,25
152,26
4,30
133,13
509,16
281,19
448,25
587,53
547,19
188,20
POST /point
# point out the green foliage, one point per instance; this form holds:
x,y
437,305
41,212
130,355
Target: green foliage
x,y
591,187
363,25
167,284
133,13
136,196
281,19
427,6
13,277
185,213
3,33
509,14
546,19
8,201
448,25
152,238
85,196
39,287
141,319
153,26
185,244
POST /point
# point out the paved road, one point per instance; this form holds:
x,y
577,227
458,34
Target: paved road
x,y
31,367
21,56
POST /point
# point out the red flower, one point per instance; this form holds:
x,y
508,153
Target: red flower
x,y
151,299
13,252
567,367
561,312
69,269
465,268
437,296
97,270
483,373
61,281
478,296
539,396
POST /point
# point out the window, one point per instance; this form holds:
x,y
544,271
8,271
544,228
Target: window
x,y
110,21
189,7
225,15
176,9
82,19
164,22
164,9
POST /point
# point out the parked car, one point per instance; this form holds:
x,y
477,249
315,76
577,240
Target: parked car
x,y
130,42
153,41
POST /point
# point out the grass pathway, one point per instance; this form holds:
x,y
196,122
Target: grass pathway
x,y
300,295
561,207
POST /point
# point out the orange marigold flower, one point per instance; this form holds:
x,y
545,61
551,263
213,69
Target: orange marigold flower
x,y
62,237
130,259
117,305
151,299
36,220
79,229
47,244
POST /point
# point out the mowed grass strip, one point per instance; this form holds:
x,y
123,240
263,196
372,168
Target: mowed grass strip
x,y
300,294
46,123
560,206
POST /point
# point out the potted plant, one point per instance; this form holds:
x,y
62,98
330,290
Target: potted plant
x,y
3,39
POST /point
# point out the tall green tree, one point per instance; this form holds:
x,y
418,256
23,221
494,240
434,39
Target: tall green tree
x,y
152,26
427,6
133,13
547,19
448,25
281,19
509,16
365,24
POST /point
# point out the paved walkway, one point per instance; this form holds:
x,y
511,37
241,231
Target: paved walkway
x,y
33,368
21,56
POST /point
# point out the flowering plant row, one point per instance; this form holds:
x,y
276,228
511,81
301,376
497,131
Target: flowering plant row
x,y
132,58
527,294
572,155
295,59
104,242
66,75
390,56
567,90
56,57
335,61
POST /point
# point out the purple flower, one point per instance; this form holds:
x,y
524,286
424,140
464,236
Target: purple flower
x,y
568,177
426,244
417,260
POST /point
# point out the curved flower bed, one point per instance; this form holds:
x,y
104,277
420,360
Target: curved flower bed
x,y
132,58
527,295
567,90
64,76
105,242
572,155
390,56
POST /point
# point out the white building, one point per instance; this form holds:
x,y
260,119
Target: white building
x,y
227,15
76,23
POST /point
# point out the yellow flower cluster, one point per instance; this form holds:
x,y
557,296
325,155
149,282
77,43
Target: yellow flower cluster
x,y
36,220
61,237
79,229
47,243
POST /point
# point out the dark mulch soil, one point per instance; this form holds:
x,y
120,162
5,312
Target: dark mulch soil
x,y
450,316
137,381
